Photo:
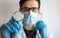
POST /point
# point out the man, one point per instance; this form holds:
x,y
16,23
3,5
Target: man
x,y
29,26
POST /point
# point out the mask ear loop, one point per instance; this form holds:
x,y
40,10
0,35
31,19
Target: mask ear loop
x,y
41,15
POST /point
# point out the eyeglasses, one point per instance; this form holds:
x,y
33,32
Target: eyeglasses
x,y
26,9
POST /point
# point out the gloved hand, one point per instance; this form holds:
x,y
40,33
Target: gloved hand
x,y
13,25
42,29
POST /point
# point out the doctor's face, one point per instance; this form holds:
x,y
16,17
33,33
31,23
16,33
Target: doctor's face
x,y
30,5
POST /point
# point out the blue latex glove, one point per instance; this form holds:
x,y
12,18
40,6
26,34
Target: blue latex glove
x,y
11,29
42,29
5,33
12,26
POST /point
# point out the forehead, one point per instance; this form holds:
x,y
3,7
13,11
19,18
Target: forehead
x,y
30,3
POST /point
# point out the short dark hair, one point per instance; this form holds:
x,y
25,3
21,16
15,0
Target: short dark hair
x,y
21,2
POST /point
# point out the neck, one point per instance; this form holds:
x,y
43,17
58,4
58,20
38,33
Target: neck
x,y
28,27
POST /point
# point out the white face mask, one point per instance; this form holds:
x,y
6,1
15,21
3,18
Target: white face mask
x,y
31,18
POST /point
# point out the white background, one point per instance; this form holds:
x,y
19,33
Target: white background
x,y
49,8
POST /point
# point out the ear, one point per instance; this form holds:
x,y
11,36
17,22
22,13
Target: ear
x,y
19,9
39,10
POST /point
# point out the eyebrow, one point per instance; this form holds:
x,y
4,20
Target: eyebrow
x,y
28,7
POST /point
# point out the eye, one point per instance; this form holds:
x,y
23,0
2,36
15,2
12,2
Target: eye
x,y
25,9
35,8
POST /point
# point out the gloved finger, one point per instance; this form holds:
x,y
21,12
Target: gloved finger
x,y
7,27
4,32
44,33
40,25
12,27
16,24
